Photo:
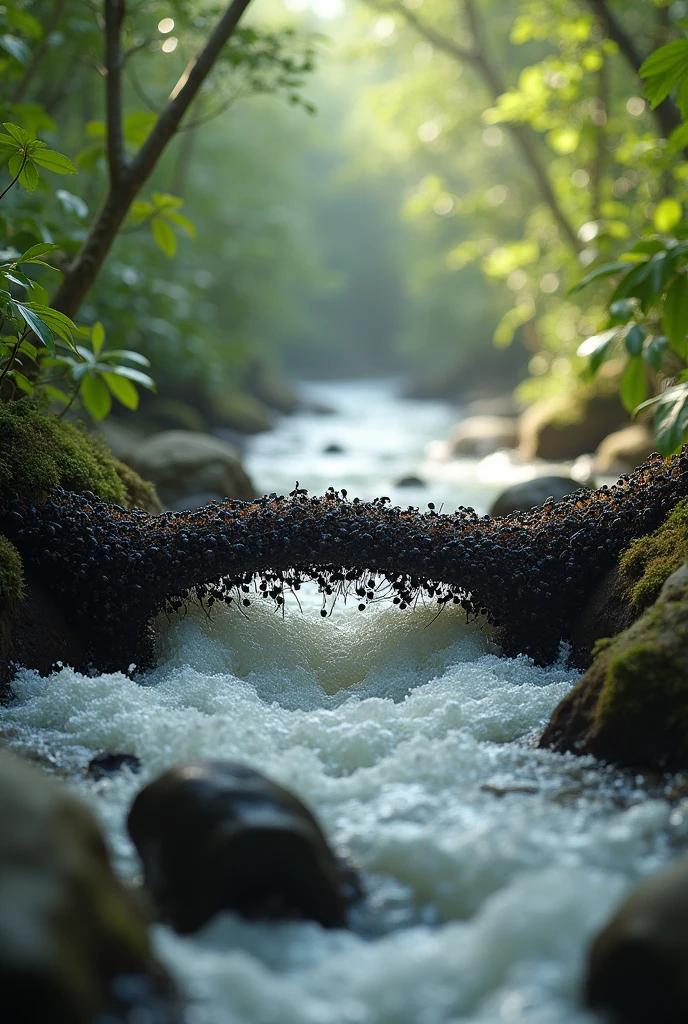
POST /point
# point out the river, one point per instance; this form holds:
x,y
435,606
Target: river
x,y
488,864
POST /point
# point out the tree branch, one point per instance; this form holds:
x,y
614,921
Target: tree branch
x,y
666,114
521,134
185,91
114,16
83,271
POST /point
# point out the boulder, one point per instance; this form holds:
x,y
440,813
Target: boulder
x,y
238,411
73,944
531,493
608,611
561,428
215,836
631,706
637,964
481,435
182,462
410,481
624,449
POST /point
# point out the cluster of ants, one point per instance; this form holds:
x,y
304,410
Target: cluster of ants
x,y
528,573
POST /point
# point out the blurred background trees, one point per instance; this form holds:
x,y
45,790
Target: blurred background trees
x,y
362,188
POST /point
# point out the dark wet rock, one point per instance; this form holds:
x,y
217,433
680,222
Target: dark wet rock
x,y
333,449
564,428
609,611
215,836
104,766
624,449
532,494
410,481
70,934
482,435
637,966
631,706
42,636
183,462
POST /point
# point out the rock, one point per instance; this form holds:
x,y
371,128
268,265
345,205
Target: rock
x,y
481,435
637,965
333,449
238,411
119,437
72,940
182,462
532,493
215,836
631,706
561,428
624,449
410,481
103,766
608,611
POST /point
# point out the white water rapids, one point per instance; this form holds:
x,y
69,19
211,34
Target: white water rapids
x,y
488,864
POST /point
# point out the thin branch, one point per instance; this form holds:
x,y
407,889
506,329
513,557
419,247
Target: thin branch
x,y
39,52
205,118
185,91
521,133
114,16
13,356
140,91
666,114
16,178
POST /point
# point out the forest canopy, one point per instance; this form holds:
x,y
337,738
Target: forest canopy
x,y
431,188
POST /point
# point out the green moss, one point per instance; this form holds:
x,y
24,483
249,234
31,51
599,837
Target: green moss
x,y
39,453
11,574
601,645
139,492
643,681
649,561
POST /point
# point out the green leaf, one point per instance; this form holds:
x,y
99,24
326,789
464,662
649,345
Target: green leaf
x,y
164,236
97,337
606,271
50,391
164,200
666,57
54,161
634,340
645,248
37,250
671,418
123,390
633,387
8,142
654,351
634,284
59,323
141,378
668,213
17,48
115,354
22,382
675,315
597,347
137,127
96,397
622,310
17,133
36,324
181,221
27,349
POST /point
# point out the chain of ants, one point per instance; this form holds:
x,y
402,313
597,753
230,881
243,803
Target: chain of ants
x,y
333,583
527,572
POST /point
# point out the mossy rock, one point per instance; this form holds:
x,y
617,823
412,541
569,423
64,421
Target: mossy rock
x,y
649,561
39,453
239,411
631,706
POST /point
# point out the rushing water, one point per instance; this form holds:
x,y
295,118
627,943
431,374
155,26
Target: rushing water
x,y
488,864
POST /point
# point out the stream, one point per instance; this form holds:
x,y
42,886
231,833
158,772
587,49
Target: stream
x,y
488,864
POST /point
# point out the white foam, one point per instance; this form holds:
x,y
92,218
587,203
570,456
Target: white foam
x,y
488,863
